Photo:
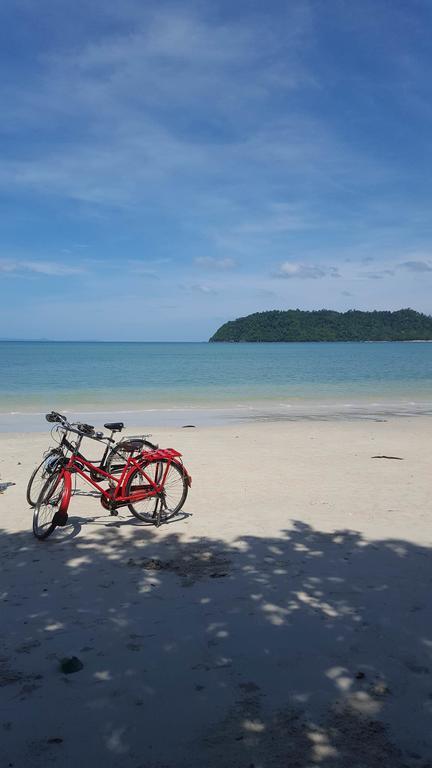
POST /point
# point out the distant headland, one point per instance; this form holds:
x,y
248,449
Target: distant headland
x,y
327,325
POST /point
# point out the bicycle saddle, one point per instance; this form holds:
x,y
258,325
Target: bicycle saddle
x,y
114,426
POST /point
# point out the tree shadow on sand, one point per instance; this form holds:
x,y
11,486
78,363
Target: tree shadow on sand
x,y
307,649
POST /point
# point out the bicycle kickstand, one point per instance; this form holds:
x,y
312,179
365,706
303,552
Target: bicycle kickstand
x,y
162,506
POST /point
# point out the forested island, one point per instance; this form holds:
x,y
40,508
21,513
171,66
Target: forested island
x,y
327,325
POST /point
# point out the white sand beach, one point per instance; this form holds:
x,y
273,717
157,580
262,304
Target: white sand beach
x,y
283,620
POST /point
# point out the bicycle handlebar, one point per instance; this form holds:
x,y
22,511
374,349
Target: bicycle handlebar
x,y
83,430
58,418
86,429
99,436
55,418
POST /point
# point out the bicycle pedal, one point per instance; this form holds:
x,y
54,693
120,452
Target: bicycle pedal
x,y
114,512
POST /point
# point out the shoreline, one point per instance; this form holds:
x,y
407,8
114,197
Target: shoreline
x,y
215,414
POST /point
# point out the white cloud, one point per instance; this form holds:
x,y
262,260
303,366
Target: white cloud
x,y
51,268
203,288
292,270
210,262
379,274
280,218
416,266
149,267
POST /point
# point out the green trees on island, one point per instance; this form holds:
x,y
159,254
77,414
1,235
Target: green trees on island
x,y
327,325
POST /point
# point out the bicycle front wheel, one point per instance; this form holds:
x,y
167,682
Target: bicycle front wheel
x,y
175,490
47,509
40,475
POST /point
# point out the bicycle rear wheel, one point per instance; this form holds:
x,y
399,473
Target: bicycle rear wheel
x,y
49,506
154,509
118,456
40,475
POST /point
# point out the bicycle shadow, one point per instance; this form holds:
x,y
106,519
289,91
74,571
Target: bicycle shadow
x,y
71,530
125,520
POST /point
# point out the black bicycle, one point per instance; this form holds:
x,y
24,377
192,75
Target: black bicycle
x,y
113,460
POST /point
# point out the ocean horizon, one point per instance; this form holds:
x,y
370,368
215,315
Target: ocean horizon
x,y
167,382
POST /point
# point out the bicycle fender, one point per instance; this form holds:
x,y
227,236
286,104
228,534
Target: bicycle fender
x,y
66,493
184,471
61,516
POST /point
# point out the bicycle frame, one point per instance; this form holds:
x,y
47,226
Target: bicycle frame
x,y
115,496
73,449
65,444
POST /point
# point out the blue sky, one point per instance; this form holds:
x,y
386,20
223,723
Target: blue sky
x,y
170,166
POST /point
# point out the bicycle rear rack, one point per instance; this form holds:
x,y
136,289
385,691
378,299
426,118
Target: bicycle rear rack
x,y
160,453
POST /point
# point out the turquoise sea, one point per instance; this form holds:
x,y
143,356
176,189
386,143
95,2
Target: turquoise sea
x,y
171,382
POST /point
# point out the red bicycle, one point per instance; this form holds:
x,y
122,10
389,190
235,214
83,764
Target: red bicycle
x,y
153,484
113,458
